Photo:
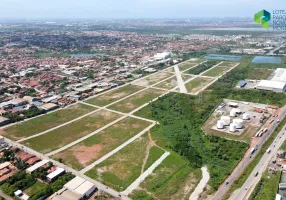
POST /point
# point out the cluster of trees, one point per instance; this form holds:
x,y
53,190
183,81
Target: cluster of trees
x,y
22,181
181,117
202,67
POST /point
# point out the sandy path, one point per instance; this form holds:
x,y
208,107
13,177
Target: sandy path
x,y
200,187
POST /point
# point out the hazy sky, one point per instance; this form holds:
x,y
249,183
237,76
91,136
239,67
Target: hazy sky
x,y
134,8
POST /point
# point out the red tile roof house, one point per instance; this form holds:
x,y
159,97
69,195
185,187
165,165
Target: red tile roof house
x,y
23,156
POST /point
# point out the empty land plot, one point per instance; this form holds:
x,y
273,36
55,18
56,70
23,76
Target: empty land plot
x,y
124,167
186,65
197,84
35,188
112,96
260,74
62,136
45,122
152,79
227,64
202,67
173,179
217,71
133,102
93,148
172,82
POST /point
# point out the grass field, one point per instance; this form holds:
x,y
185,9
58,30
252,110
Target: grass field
x,y
197,84
267,187
173,179
71,132
133,102
186,65
124,167
109,97
45,122
93,148
35,188
152,79
217,71
259,74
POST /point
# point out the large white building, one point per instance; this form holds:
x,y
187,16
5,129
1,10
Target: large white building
x,y
276,84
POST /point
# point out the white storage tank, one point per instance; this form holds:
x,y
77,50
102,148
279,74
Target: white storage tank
x,y
238,123
220,124
232,113
245,116
226,120
232,127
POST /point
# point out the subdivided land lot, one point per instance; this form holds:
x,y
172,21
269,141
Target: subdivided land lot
x,y
112,96
62,136
96,146
124,167
45,122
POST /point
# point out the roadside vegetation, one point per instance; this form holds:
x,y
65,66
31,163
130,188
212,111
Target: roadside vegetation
x,y
267,187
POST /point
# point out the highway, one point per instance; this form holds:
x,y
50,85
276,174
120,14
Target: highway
x,y
245,162
245,191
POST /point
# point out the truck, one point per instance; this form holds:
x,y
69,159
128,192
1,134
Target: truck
x,y
268,150
252,150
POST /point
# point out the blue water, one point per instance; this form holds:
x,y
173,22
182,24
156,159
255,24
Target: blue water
x,y
266,59
222,57
79,55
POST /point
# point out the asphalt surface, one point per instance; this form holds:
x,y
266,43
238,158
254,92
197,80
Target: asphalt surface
x,y
246,189
180,80
245,162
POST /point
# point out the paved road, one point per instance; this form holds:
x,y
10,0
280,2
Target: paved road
x,y
2,194
142,177
180,81
246,189
200,187
271,52
244,163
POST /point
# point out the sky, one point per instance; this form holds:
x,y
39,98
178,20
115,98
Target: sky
x,y
112,9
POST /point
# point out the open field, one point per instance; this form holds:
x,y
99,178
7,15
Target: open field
x,y
152,79
197,84
259,74
35,188
267,187
109,97
173,179
172,82
93,148
217,71
133,102
186,65
124,167
45,122
71,132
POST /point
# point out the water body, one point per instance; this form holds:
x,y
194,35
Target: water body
x,y
80,55
266,59
222,57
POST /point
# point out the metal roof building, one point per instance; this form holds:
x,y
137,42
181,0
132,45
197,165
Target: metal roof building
x,y
276,86
280,75
31,169
55,174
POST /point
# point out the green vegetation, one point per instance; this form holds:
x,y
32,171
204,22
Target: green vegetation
x,y
196,84
121,169
42,54
154,154
169,179
217,71
71,132
91,149
109,97
267,187
181,117
259,74
35,188
45,122
186,65
133,102
202,67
